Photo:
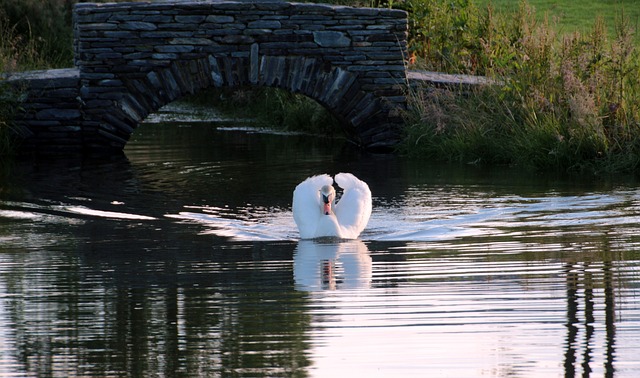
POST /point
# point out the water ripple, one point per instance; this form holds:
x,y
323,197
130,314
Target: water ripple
x,y
509,218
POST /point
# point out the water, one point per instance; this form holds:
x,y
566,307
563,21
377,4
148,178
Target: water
x,y
181,258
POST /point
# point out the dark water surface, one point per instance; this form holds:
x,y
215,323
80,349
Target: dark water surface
x,y
181,258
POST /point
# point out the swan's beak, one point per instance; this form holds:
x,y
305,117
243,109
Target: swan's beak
x,y
326,209
328,194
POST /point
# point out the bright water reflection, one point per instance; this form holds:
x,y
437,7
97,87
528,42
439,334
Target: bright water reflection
x,y
331,265
182,259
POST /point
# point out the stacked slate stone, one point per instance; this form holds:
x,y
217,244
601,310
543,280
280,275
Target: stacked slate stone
x,y
133,58
136,57
50,119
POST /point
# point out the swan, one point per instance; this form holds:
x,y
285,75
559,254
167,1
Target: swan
x,y
317,214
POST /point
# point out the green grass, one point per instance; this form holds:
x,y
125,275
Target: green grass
x,y
577,15
35,34
568,102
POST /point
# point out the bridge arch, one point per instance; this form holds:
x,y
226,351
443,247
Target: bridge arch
x,y
337,89
136,57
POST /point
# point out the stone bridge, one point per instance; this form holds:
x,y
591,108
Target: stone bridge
x,y
133,58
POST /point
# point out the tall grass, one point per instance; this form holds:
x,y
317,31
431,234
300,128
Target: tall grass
x,y
442,34
36,34
573,16
568,102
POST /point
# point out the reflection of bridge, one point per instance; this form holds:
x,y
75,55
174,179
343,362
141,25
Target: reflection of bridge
x,y
134,58
580,296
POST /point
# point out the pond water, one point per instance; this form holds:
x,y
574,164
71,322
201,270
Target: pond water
x,y
181,258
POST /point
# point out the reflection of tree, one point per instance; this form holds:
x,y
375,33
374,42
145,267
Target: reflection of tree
x,y
168,311
580,288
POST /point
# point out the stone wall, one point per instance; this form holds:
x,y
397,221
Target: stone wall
x,y
135,57
50,118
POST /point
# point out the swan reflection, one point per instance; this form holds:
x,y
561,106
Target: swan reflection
x,y
331,265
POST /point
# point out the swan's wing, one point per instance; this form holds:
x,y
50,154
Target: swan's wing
x,y
354,208
306,204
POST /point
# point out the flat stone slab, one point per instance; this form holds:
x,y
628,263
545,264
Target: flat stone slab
x,y
418,76
430,78
73,73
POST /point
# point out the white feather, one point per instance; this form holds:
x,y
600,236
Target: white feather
x,y
350,215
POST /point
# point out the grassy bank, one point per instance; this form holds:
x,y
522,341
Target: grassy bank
x,y
568,102
36,34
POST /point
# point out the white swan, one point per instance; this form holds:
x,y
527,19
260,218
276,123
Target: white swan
x,y
318,215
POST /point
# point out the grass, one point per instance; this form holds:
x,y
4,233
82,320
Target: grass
x,y
578,16
569,102
35,34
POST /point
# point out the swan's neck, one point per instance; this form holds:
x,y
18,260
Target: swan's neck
x,y
328,194
328,226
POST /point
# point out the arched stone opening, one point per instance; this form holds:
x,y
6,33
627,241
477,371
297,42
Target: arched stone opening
x,y
333,87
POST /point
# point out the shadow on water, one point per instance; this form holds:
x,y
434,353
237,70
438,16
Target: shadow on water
x,y
156,310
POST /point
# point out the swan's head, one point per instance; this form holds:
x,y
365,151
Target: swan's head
x,y
327,194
